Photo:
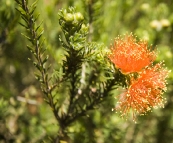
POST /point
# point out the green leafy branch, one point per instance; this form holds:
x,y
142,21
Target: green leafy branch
x,y
84,78
89,78
34,34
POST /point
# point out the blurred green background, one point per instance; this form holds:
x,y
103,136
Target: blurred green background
x,y
26,118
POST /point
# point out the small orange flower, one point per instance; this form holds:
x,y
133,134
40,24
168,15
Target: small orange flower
x,y
131,56
145,92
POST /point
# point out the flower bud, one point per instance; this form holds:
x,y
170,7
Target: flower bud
x,y
78,16
69,17
84,27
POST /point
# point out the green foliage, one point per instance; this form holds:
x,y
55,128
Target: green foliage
x,y
80,78
84,70
3,108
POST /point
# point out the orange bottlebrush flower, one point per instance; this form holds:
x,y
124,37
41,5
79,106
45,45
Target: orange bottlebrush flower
x,y
131,56
145,92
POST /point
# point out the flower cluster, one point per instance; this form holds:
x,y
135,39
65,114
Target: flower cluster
x,y
131,56
144,91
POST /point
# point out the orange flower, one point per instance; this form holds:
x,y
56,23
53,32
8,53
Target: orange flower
x,y
145,92
131,56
